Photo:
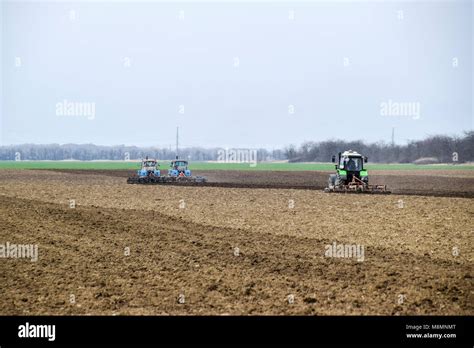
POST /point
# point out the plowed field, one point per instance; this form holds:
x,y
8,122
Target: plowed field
x,y
257,245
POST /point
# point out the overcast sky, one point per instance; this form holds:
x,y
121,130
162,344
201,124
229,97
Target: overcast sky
x,y
247,74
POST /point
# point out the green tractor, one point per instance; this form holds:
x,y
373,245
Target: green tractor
x,y
351,176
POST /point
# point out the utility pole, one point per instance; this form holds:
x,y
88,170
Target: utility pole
x,y
177,142
393,136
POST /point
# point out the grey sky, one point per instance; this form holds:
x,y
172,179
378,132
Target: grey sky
x,y
248,74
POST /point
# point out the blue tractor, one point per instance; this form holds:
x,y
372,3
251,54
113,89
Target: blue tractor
x,y
178,174
148,173
179,168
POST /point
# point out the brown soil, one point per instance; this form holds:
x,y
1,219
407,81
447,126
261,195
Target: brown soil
x,y
183,241
438,183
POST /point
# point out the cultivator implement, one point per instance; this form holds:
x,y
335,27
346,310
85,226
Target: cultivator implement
x,y
371,189
165,180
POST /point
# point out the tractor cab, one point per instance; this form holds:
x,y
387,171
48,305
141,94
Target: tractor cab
x,y
149,164
149,167
353,163
179,168
349,164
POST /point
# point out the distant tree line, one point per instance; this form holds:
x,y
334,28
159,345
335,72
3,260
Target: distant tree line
x,y
439,148
88,152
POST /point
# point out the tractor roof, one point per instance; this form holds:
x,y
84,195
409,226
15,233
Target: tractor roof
x,y
351,153
149,160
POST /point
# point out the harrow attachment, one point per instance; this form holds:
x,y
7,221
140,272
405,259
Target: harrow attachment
x,y
358,186
153,180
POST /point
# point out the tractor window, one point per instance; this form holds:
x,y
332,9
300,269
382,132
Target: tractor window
x,y
342,162
354,164
179,165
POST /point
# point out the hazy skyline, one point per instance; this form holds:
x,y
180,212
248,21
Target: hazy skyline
x,y
264,74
